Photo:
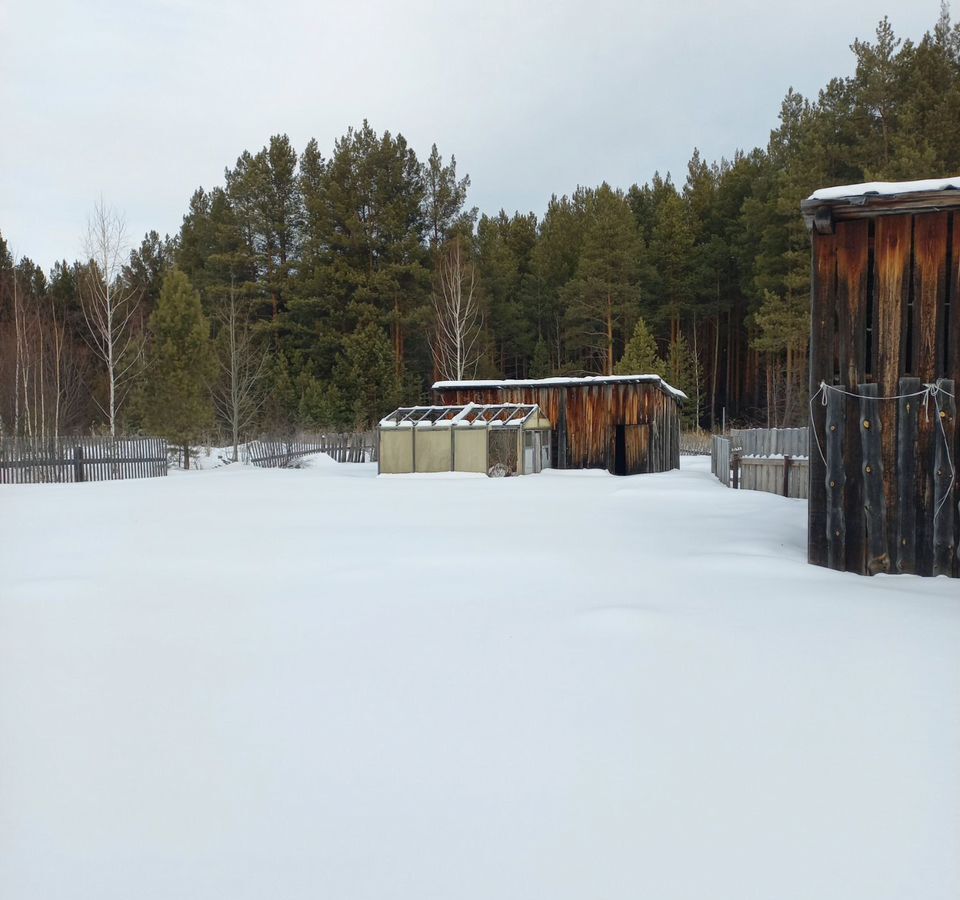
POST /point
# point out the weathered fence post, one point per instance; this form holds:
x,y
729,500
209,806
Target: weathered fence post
x,y
735,470
78,463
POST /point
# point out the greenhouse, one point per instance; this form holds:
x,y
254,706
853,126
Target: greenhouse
x,y
493,439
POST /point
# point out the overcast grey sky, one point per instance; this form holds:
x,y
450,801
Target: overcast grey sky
x,y
143,102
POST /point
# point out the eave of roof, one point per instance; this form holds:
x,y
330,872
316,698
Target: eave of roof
x,y
880,198
588,380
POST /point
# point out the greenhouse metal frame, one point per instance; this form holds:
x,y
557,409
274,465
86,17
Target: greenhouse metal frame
x,y
495,439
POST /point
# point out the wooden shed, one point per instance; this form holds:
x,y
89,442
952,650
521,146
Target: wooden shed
x,y
884,362
626,424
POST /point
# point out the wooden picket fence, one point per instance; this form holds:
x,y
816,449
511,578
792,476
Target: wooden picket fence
x,y
720,456
787,476
761,459
71,459
772,441
281,453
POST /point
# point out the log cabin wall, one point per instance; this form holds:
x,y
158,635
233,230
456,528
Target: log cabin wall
x,y
585,417
885,322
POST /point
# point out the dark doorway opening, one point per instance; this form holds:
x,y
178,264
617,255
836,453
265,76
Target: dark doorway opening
x,y
619,450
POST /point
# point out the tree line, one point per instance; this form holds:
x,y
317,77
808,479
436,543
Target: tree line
x,y
310,290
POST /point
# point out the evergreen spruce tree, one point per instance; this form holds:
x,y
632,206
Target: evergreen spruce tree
x,y
365,378
683,371
281,409
540,363
177,404
640,356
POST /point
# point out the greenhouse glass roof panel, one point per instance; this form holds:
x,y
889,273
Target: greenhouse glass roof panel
x,y
470,414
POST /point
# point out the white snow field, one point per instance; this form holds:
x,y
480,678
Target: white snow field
x,y
317,683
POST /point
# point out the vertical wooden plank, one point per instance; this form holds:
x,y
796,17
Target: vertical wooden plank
x,y
907,426
923,494
853,256
835,480
822,308
951,349
892,259
874,505
892,279
929,310
929,293
944,518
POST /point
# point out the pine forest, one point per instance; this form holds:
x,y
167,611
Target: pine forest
x,y
321,286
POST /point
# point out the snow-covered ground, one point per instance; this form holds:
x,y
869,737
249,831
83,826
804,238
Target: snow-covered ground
x,y
317,683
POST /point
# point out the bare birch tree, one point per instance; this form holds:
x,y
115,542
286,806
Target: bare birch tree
x,y
18,357
41,374
109,306
459,320
240,392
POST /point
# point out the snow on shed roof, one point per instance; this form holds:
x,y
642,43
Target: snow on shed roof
x,y
481,384
885,188
470,414
827,206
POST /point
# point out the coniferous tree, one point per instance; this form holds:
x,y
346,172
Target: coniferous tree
x,y
554,260
540,363
264,193
181,365
371,221
671,252
146,268
365,378
604,296
683,371
505,247
319,248
640,357
444,199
